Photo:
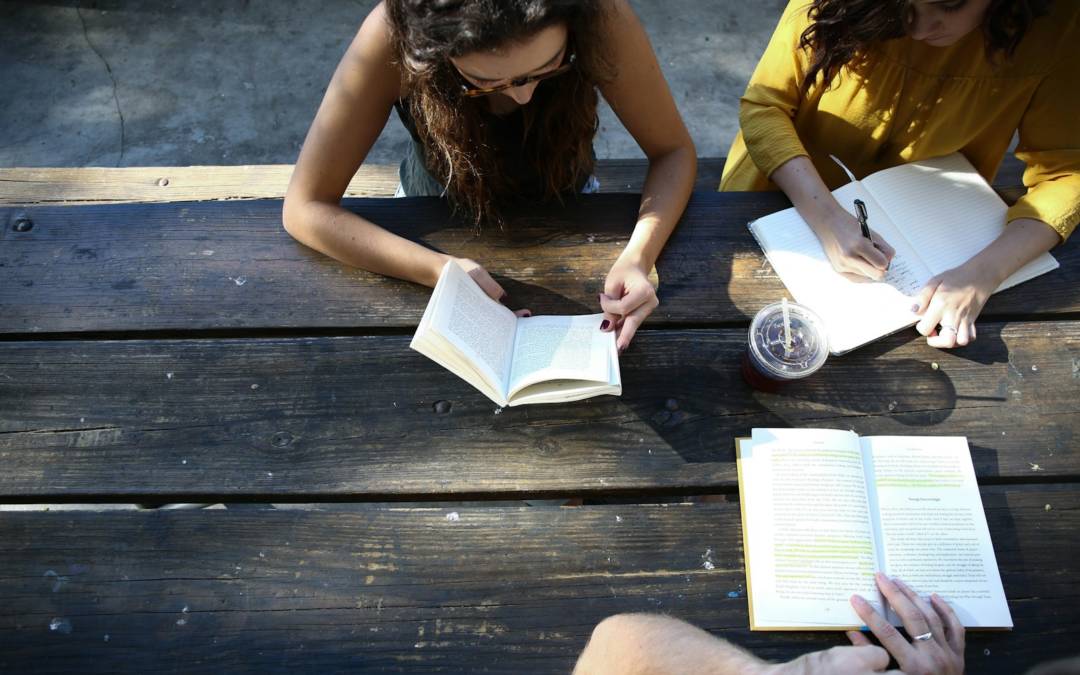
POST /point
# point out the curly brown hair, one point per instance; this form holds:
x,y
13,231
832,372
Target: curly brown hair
x,y
561,120
842,32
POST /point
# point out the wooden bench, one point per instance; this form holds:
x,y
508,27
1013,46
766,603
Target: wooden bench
x,y
96,185
178,352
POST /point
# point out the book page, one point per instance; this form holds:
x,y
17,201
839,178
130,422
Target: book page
x,y
932,527
564,391
560,348
809,540
855,313
477,326
948,212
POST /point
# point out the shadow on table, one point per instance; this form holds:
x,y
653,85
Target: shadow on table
x,y
701,403
708,405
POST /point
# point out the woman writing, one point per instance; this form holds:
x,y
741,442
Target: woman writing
x,y
884,82
500,97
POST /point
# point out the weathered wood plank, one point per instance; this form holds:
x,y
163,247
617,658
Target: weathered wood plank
x,y
500,590
227,265
99,185
355,417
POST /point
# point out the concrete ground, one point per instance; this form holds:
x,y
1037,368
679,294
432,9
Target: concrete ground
x,y
156,83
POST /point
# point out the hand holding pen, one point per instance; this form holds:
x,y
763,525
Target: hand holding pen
x,y
881,257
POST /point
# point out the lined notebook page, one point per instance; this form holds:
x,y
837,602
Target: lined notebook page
x,y
855,313
948,212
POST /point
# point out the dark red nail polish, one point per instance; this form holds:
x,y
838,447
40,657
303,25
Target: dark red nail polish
x,y
604,324
503,298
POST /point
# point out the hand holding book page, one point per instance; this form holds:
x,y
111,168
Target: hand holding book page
x,y
512,360
822,510
931,526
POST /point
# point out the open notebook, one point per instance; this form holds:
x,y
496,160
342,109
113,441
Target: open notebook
x,y
936,213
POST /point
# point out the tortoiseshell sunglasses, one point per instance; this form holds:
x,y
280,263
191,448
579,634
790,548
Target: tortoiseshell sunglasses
x,y
467,89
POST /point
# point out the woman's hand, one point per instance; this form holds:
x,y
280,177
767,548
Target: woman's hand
x,y
850,253
937,646
949,304
627,299
489,285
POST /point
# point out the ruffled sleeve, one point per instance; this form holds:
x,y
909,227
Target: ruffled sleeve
x,y
1050,146
767,108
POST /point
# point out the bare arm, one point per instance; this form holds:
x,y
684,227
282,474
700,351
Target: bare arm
x,y
350,119
640,97
955,299
651,644
836,229
640,644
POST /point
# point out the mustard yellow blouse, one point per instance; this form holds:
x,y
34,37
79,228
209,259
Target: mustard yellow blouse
x,y
913,101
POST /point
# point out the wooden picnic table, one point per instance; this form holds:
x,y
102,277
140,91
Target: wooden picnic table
x,y
191,351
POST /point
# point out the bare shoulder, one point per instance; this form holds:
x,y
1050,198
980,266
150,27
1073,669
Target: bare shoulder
x,y
372,56
619,19
626,44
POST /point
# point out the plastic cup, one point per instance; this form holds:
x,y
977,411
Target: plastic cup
x,y
768,363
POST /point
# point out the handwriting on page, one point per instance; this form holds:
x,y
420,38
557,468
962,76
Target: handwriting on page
x,y
903,276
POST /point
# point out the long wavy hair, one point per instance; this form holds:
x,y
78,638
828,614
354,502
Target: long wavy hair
x,y
560,121
843,32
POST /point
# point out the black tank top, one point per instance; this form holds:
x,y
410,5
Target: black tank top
x,y
506,133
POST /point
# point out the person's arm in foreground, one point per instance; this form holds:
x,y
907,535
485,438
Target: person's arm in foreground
x,y
647,644
652,644
350,119
640,97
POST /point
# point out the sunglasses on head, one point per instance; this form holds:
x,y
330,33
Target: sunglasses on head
x,y
472,91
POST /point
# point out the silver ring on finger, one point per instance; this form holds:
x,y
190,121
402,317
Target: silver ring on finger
x,y
945,328
924,637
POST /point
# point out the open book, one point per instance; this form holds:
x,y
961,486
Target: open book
x,y
511,360
936,213
822,510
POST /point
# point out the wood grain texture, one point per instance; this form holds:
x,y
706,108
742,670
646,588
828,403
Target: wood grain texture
x,y
496,590
98,185
230,265
108,185
355,417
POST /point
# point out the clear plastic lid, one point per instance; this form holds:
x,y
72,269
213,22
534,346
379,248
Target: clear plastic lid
x,y
809,345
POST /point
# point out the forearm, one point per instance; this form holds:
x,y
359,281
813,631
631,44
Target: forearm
x,y
802,184
667,188
1022,241
345,236
647,644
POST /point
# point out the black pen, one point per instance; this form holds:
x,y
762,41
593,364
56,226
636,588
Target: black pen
x,y
860,211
